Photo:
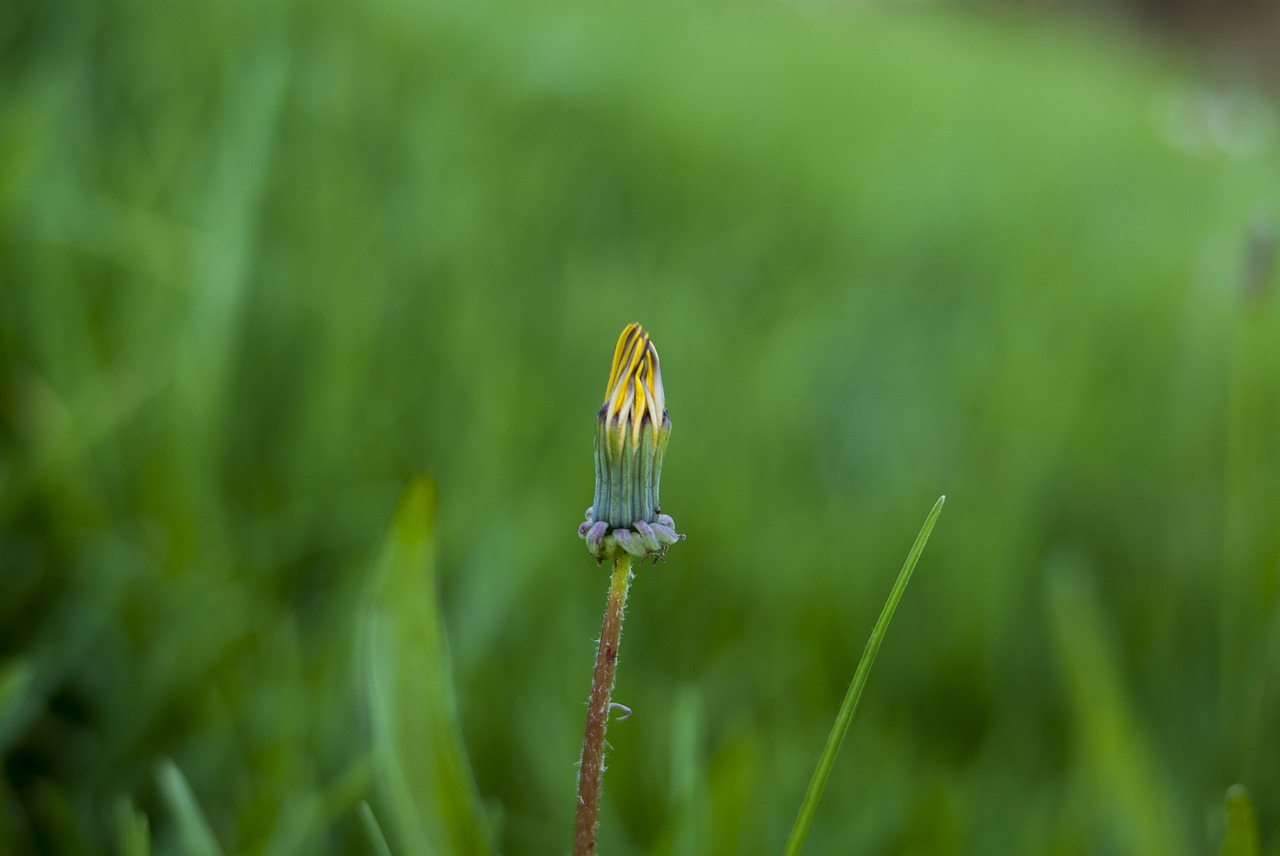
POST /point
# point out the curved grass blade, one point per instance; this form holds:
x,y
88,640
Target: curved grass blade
x,y
193,828
431,803
1121,777
371,828
828,758
133,828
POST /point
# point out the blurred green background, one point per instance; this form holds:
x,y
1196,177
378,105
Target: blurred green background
x,y
264,265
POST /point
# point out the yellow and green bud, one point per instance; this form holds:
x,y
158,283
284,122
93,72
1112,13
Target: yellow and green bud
x,y
632,430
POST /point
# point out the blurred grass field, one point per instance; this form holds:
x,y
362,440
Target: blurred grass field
x,y
263,265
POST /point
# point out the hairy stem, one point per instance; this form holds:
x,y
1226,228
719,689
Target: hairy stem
x,y
591,768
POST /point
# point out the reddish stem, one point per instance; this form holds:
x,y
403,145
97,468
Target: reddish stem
x,y
591,767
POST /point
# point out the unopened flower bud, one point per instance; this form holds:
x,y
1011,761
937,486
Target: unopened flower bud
x,y
632,430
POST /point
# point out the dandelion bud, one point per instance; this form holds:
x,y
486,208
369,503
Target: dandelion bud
x,y
632,429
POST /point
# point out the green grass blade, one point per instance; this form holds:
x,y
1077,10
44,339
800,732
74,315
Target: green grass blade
x,y
1121,777
16,681
133,828
373,830
193,829
686,834
820,775
431,803
1242,825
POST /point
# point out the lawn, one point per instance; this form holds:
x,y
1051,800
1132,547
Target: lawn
x,y
306,312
